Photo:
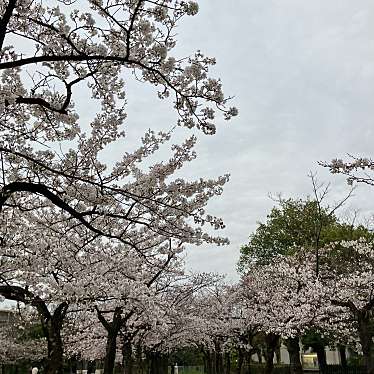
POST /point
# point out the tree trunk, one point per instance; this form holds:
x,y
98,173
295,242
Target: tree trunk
x,y
207,361
366,340
342,355
293,348
219,363
54,361
163,364
152,363
227,362
219,358
240,361
127,359
158,364
110,352
321,355
259,356
278,355
271,341
247,361
91,366
213,361
112,329
140,363
52,326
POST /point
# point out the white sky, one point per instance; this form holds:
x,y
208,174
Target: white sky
x,y
302,74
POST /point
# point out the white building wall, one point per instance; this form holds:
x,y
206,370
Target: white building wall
x,y
332,356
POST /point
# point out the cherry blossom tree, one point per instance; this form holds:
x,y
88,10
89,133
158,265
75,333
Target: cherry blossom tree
x,y
287,297
358,169
132,305
64,212
48,156
213,325
156,321
348,282
47,269
176,326
64,263
52,176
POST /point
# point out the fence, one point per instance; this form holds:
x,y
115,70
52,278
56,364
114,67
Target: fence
x,y
186,370
338,369
260,369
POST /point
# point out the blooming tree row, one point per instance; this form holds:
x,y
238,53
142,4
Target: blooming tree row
x,y
289,298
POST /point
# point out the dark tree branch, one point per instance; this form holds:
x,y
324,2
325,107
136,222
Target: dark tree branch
x,y
346,304
5,20
128,36
41,189
166,263
17,293
45,104
38,101
57,58
137,198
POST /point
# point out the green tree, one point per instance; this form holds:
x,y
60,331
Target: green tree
x,y
296,223
292,224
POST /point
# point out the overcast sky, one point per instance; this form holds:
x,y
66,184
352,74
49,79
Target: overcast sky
x,y
302,74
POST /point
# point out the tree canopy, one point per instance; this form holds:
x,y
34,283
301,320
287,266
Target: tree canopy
x,y
296,223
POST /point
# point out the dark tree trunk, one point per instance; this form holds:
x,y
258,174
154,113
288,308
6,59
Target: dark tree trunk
x,y
73,365
219,363
213,361
240,361
278,355
219,358
210,360
247,361
259,356
91,366
163,364
293,348
51,323
54,361
127,359
110,352
366,340
158,363
153,364
271,341
321,355
52,326
112,329
140,363
343,356
207,361
227,362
